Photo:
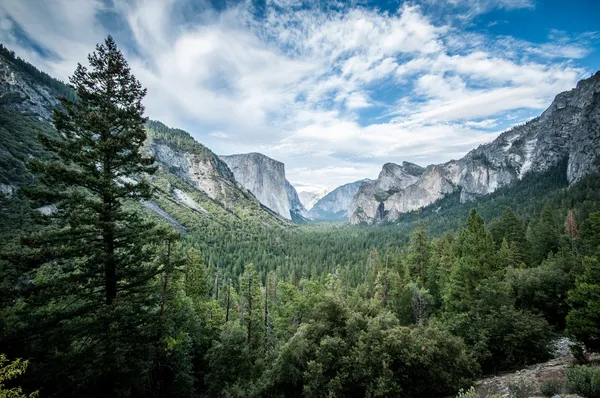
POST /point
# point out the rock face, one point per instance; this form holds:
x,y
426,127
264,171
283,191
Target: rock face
x,y
335,205
265,178
568,129
204,171
19,92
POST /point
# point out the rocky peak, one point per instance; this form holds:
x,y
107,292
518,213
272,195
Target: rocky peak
x,y
265,178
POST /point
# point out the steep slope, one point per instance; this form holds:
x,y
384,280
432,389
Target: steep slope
x,y
569,129
25,111
192,176
334,206
265,178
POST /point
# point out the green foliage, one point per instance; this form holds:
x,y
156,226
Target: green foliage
x,y
18,143
471,393
9,371
583,321
349,351
552,387
520,389
583,380
543,289
543,235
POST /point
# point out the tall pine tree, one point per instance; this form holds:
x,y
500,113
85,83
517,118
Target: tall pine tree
x,y
93,293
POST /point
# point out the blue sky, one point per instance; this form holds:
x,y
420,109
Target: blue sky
x,y
332,89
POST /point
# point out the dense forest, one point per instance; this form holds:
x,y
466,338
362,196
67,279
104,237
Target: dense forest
x,y
99,298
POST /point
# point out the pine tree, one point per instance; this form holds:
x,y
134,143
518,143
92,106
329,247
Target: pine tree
x,y
508,226
196,283
250,290
96,272
543,234
419,253
583,320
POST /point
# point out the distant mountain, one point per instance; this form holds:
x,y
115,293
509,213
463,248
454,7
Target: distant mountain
x,y
265,178
568,130
310,198
335,205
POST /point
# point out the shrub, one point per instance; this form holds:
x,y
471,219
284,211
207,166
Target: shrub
x,y
520,389
471,393
584,381
551,387
579,354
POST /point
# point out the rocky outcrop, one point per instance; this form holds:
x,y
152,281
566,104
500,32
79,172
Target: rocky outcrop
x,y
335,205
369,202
265,178
204,171
568,129
19,91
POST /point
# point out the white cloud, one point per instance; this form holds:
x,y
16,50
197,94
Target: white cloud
x,y
483,124
357,101
219,134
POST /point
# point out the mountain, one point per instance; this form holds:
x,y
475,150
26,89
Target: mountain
x,y
568,130
335,205
193,177
310,198
195,188
265,178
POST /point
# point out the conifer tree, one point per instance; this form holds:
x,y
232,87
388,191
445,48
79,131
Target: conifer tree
x,y
419,253
196,283
95,269
543,234
583,320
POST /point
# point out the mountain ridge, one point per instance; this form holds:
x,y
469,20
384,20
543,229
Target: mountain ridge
x,y
569,129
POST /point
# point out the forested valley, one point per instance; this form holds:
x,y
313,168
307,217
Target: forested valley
x,y
101,298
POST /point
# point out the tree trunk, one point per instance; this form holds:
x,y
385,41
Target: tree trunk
x,y
249,308
163,298
110,267
228,296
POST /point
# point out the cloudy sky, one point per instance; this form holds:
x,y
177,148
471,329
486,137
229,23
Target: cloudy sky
x,y
332,89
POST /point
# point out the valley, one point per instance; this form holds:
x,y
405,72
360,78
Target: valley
x,y
137,262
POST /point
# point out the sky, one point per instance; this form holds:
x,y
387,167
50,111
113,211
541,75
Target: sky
x,y
334,89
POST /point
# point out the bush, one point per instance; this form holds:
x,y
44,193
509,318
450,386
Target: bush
x,y
471,393
520,389
551,387
584,381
